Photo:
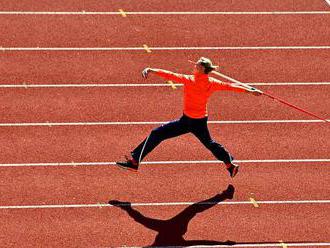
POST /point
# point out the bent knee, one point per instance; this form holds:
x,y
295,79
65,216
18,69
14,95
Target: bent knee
x,y
212,144
155,132
157,135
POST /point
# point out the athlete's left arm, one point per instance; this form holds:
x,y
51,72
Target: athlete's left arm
x,y
219,85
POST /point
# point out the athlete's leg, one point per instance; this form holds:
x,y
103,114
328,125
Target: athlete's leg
x,y
159,134
201,131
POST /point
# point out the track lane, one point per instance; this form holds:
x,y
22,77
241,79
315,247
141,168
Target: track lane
x,y
159,5
110,143
58,227
161,183
122,67
106,227
115,31
127,104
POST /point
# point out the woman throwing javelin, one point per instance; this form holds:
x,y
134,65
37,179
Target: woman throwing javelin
x,y
197,90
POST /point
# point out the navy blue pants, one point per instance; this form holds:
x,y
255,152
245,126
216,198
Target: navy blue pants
x,y
184,125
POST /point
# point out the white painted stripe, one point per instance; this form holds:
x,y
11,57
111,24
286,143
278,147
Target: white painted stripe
x,y
160,48
165,12
290,83
328,2
288,244
146,85
157,204
82,85
111,123
321,160
269,244
257,245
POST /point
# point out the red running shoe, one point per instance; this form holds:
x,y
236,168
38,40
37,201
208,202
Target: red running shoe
x,y
129,164
233,169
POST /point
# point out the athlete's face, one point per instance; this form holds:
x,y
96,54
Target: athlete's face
x,y
199,68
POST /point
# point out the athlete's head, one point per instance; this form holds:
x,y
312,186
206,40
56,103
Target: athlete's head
x,y
204,65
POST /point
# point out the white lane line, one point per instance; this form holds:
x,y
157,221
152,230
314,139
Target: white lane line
x,y
112,123
269,244
328,2
165,12
288,244
291,83
147,123
160,48
82,85
102,85
156,204
314,161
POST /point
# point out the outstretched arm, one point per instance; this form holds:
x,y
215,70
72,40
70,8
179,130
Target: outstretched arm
x,y
219,85
153,224
168,75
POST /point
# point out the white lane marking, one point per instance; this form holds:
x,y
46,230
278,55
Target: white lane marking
x,y
156,204
101,85
160,48
328,2
111,123
288,244
291,83
269,244
82,85
165,12
321,160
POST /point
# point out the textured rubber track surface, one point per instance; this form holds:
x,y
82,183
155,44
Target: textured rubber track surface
x,y
161,183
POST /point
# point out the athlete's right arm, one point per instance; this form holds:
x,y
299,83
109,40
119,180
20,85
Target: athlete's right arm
x,y
168,75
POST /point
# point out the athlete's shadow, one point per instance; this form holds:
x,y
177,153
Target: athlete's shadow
x,y
171,231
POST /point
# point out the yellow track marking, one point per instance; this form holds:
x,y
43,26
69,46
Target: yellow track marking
x,y
49,124
253,201
283,244
146,48
122,13
171,84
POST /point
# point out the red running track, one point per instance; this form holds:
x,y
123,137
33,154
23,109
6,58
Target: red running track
x,y
120,104
112,227
102,67
134,31
107,143
159,5
161,183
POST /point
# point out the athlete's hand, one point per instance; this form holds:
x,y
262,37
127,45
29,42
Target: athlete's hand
x,y
256,92
145,72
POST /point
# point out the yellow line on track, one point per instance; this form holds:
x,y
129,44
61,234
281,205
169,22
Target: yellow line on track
x,y
148,50
122,13
171,84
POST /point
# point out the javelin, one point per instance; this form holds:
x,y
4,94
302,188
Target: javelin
x,y
267,94
270,96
